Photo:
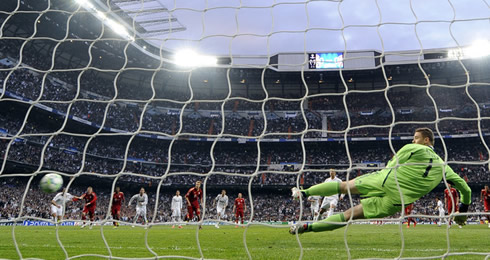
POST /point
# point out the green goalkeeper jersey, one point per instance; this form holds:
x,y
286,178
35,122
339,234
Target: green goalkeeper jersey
x,y
418,170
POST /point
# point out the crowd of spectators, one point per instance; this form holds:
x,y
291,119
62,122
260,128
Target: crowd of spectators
x,y
89,95
150,157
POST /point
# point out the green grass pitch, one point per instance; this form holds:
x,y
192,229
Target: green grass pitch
x,y
365,241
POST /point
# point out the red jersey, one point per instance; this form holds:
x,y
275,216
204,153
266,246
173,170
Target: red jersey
x,y
194,195
408,209
485,195
449,202
117,199
90,198
239,204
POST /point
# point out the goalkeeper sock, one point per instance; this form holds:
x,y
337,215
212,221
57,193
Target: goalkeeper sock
x,y
323,226
323,189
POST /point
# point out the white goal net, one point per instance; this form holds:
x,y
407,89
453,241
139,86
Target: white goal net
x,y
251,97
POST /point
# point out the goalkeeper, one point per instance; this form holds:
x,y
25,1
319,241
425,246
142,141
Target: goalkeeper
x,y
418,170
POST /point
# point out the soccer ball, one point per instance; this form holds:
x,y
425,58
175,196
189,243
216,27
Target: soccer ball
x,y
51,182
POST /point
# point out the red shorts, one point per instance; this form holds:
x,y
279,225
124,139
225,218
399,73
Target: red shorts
x,y
116,210
191,209
239,213
450,208
486,206
90,210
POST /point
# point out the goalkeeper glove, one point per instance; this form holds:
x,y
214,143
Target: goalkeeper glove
x,y
461,220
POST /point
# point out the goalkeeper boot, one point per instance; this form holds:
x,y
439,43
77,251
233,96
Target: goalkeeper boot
x,y
299,228
296,193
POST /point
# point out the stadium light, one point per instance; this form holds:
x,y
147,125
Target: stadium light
x,y
189,58
115,26
85,3
480,48
118,28
101,15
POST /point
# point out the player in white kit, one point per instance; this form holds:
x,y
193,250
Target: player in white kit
x,y
315,206
177,208
221,202
440,207
141,202
58,203
330,203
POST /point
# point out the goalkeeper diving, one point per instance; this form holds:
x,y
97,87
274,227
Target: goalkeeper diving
x,y
416,168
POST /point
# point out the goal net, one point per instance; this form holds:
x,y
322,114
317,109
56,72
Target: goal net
x,y
250,97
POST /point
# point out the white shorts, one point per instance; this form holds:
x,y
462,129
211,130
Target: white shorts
x,y
56,210
220,211
441,213
329,202
141,210
176,213
315,210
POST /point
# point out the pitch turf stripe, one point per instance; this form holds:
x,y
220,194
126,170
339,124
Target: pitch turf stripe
x,y
192,248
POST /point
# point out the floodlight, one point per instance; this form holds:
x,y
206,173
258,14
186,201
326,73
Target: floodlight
x,y
189,58
118,28
101,15
85,3
479,48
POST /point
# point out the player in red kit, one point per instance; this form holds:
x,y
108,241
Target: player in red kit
x,y
117,201
89,207
450,194
485,198
239,208
408,211
193,198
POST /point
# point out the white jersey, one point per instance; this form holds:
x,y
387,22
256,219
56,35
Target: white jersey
x,y
141,201
222,201
315,201
60,199
440,206
176,202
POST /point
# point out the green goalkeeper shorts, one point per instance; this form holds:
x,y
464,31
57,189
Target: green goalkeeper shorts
x,y
383,201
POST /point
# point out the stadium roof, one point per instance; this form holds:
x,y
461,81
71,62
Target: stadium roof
x,y
262,27
150,19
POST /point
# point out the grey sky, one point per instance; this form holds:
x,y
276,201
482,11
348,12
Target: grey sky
x,y
261,27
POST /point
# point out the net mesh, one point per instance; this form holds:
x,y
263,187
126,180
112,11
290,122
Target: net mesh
x,y
39,75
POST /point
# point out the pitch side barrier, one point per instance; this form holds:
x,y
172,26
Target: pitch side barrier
x,y
35,223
